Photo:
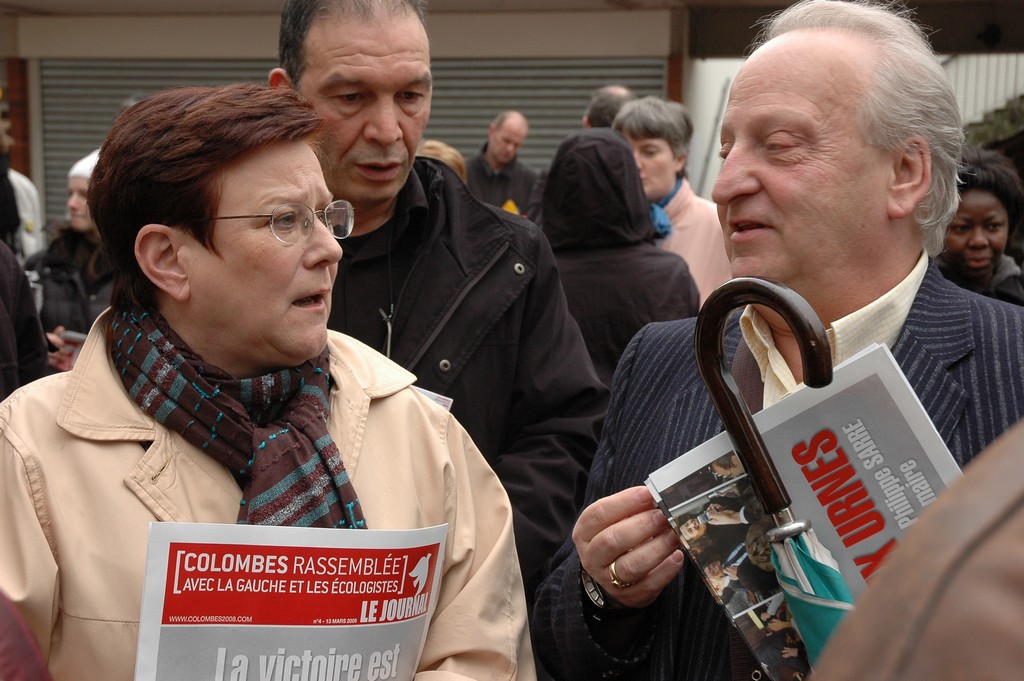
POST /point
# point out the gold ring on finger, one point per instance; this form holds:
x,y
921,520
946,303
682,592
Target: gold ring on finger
x,y
618,583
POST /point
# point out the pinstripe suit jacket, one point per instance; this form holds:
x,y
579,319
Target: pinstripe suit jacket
x,y
962,353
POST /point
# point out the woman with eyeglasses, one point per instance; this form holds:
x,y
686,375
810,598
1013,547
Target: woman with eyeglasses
x,y
212,391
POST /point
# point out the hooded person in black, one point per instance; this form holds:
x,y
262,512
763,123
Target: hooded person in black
x,y
599,225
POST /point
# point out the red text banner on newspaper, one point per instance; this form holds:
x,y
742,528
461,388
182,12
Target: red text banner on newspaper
x,y
366,586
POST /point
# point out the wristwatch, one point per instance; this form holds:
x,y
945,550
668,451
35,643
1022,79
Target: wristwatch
x,y
599,606
593,590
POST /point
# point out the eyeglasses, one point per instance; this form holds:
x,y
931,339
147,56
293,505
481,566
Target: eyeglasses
x,y
290,220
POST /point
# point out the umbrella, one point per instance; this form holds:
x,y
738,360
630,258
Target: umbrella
x,y
815,591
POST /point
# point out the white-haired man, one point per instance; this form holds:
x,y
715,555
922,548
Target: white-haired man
x,y
840,143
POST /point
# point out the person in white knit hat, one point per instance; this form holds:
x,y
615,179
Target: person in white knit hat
x,y
72,276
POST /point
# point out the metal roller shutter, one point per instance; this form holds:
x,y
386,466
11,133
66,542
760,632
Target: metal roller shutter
x,y
80,99
551,93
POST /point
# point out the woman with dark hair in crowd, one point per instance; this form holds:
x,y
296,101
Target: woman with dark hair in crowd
x,y
990,212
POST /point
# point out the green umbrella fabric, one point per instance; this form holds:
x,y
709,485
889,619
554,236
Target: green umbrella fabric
x,y
815,591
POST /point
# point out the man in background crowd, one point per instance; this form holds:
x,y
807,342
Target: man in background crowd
x,y
496,176
605,103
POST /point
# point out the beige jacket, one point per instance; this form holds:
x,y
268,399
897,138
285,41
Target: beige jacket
x,y
84,472
697,237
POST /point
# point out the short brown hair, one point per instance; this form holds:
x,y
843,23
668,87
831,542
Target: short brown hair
x,y
162,161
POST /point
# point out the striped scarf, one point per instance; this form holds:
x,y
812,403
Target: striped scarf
x,y
270,431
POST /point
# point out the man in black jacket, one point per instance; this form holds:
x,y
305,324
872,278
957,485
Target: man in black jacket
x,y
496,175
462,294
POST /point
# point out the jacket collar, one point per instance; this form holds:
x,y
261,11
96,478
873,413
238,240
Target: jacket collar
x,y
458,224
410,210
88,410
937,335
96,406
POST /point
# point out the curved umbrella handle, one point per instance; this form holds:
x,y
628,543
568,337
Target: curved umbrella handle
x,y
815,352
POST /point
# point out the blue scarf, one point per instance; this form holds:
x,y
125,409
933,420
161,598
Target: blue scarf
x,y
662,224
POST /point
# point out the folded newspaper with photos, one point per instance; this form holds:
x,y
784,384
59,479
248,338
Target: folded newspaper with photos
x,y
860,459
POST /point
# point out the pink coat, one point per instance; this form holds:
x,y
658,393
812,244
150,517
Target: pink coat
x,y
697,237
